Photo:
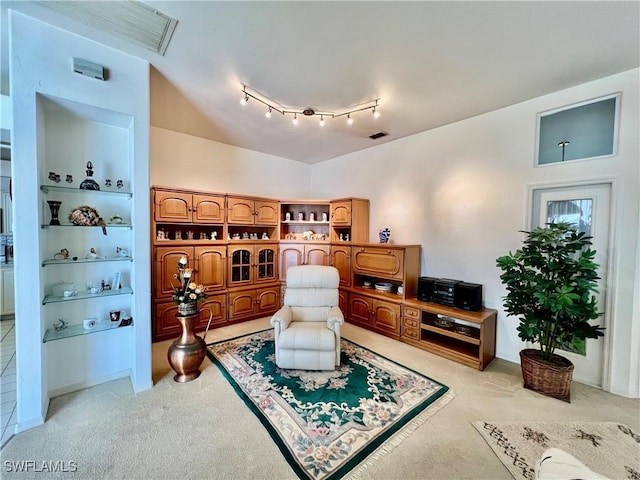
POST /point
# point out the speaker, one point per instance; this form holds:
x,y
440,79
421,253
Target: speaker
x,y
425,288
468,296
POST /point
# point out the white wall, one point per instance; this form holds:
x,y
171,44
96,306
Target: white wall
x,y
184,161
460,191
41,64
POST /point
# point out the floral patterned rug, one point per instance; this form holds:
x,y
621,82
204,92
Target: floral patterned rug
x,y
609,449
328,423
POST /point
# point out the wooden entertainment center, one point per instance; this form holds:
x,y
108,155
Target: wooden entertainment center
x,y
240,248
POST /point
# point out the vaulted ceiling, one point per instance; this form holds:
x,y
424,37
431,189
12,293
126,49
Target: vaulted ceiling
x,y
429,63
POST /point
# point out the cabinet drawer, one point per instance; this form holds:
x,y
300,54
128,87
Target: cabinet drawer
x,y
411,313
410,322
412,333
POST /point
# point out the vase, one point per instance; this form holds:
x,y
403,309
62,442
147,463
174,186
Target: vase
x,y
187,352
54,206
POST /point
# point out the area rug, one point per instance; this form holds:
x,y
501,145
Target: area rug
x,y
328,423
609,449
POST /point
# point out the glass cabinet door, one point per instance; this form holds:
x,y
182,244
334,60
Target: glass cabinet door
x,y
266,265
240,266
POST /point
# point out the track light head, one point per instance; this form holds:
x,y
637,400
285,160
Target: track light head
x,y
376,113
268,114
244,100
349,119
295,119
322,120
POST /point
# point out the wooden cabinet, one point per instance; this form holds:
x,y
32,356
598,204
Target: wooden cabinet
x,y
254,263
466,337
382,276
349,220
298,218
246,304
165,325
208,263
375,314
182,207
341,259
292,254
249,211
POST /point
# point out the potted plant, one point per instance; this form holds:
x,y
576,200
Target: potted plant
x,y
550,283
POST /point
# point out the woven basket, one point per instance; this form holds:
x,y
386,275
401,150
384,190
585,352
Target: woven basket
x,y
552,379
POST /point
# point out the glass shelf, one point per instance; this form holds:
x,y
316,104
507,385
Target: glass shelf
x,y
77,330
69,261
305,222
108,225
53,188
85,295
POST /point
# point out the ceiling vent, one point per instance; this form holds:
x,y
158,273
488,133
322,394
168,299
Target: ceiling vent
x,y
376,136
131,20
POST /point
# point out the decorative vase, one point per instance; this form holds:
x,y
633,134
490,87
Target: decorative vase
x,y
384,235
187,352
54,206
89,183
552,379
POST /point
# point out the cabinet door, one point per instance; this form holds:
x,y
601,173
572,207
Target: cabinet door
x,y
217,304
241,304
266,263
165,325
316,254
359,310
383,262
8,291
341,259
290,256
208,209
210,265
172,207
342,301
240,211
386,316
267,299
341,213
240,258
266,213
166,266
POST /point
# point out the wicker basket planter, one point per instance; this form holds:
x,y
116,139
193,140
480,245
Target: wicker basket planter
x,y
552,379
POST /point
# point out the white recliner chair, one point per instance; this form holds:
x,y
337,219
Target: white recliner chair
x,y
307,327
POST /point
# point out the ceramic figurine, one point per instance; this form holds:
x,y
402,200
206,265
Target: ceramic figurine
x,y
60,325
119,184
324,216
178,234
69,178
214,235
265,236
160,235
107,182
203,235
190,234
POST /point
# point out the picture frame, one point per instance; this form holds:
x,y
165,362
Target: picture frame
x,y
581,131
115,285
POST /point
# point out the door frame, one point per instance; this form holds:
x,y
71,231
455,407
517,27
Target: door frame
x,y
614,222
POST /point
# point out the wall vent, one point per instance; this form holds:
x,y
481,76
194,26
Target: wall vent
x,y
89,69
376,136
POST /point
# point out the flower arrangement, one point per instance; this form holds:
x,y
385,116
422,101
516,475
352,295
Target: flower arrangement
x,y
88,217
187,291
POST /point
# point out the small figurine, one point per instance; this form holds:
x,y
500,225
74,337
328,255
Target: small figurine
x,y
324,216
69,178
301,217
92,253
178,234
214,235
62,255
287,216
190,234
89,183
60,325
121,252
265,236
160,235
341,237
346,237
312,217
245,236
119,184
203,235
107,182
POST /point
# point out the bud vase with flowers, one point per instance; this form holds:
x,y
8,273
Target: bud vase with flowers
x,y
187,293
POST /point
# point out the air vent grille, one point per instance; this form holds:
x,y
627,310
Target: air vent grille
x,y
376,136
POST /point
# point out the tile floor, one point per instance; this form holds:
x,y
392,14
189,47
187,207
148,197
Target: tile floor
x,y
7,379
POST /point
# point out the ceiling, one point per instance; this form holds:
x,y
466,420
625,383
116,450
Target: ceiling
x,y
429,63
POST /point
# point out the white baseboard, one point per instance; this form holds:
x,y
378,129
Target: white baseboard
x,y
89,383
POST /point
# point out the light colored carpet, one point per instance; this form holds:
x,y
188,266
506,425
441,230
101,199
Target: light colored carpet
x,y
202,429
610,449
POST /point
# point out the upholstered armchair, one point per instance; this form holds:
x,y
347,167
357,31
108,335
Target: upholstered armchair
x,y
307,327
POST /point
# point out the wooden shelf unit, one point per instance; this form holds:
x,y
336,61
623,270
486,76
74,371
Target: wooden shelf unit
x,y
466,337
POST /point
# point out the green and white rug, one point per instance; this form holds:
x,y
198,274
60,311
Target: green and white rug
x,y
328,423
609,449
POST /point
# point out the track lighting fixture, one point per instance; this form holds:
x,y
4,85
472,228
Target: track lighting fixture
x,y
308,111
